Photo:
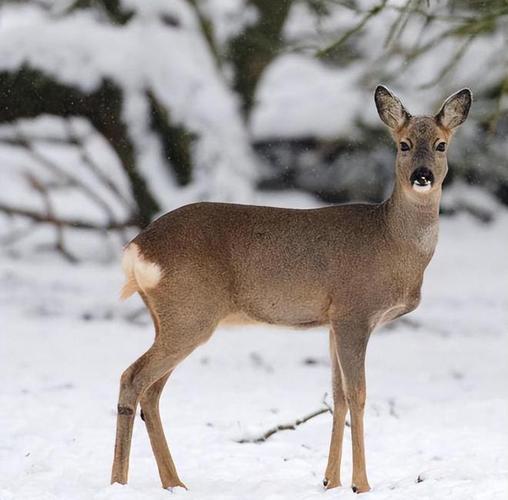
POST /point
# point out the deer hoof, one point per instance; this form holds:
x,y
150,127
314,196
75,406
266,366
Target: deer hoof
x,y
330,483
360,488
172,487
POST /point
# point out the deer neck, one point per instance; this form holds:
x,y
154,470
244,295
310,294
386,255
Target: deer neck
x,y
413,220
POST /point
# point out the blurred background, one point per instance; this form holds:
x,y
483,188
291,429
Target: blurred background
x,y
112,112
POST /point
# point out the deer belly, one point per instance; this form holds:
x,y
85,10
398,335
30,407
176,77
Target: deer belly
x,y
291,310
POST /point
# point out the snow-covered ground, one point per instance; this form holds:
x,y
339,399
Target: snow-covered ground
x,y
437,390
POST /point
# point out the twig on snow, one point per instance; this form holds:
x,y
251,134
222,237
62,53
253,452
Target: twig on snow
x,y
289,426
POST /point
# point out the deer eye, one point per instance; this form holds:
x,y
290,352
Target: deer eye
x,y
441,146
404,146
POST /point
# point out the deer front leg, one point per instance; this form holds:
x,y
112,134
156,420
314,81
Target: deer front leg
x,y
332,474
351,339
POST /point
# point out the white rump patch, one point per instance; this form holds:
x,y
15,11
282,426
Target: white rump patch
x,y
144,273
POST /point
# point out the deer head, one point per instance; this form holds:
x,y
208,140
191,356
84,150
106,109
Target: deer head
x,y
421,164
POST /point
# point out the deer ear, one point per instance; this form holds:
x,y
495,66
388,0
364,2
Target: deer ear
x,y
455,109
389,107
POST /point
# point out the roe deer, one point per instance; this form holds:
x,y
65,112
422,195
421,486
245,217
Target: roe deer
x,y
352,267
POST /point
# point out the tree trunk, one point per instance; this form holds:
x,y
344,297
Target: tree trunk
x,y
255,47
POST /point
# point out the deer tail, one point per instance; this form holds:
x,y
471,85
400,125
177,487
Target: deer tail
x,y
140,273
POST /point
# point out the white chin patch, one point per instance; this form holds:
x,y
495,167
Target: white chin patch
x,y
422,189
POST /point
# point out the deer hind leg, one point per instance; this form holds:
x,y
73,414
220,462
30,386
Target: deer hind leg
x,y
151,416
351,339
144,372
178,333
332,474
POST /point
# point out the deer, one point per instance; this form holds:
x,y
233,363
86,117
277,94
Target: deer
x,y
349,267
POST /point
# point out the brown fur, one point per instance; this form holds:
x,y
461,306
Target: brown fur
x,y
351,267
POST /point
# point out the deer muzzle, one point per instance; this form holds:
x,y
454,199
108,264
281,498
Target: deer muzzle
x,y
422,179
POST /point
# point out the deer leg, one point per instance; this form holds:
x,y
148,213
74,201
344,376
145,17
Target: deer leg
x,y
145,371
351,341
150,414
178,331
332,474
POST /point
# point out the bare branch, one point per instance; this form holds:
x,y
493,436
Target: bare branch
x,y
74,223
86,158
452,64
58,171
334,46
400,23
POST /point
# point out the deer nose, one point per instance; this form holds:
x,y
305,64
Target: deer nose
x,y
422,177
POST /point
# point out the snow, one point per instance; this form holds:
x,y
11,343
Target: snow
x,y
317,100
437,405
461,194
145,55
229,18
